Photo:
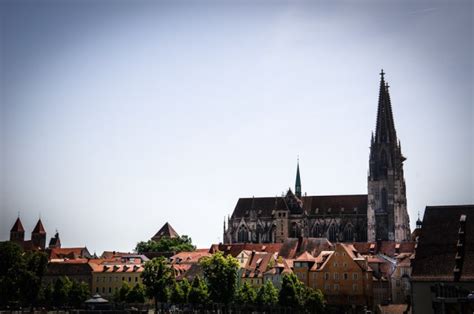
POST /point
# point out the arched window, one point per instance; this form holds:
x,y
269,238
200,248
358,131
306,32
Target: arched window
x,y
383,163
384,201
295,230
259,234
348,233
243,235
272,235
317,231
332,233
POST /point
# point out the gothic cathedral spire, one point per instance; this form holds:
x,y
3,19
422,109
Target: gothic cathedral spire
x,y
298,180
387,206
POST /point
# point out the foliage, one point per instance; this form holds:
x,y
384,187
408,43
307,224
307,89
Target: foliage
x,y
136,294
20,275
292,291
178,244
221,276
158,277
246,294
314,301
177,295
267,294
60,296
129,294
186,288
199,293
78,294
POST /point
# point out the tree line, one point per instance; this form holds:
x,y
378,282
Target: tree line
x,y
220,285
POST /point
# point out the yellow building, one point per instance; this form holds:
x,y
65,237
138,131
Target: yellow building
x,y
107,277
343,276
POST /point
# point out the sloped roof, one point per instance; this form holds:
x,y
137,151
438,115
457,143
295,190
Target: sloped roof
x,y
389,248
305,257
293,247
166,232
39,228
234,249
313,205
435,256
17,226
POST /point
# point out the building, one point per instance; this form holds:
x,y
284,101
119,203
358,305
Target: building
x,y
379,215
165,232
442,276
108,276
38,236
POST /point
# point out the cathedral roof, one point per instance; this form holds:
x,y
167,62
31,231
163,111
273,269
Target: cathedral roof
x,y
445,249
329,204
18,226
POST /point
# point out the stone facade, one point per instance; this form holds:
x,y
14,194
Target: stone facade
x,y
379,215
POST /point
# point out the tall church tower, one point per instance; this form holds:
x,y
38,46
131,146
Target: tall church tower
x,y
387,204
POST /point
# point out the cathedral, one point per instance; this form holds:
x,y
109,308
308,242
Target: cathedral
x,y
381,214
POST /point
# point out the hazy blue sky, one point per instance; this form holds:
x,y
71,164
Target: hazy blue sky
x,y
119,116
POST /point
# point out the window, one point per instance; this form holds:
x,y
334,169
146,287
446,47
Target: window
x,y
354,287
345,276
97,289
355,276
344,264
332,233
327,287
129,279
123,278
110,279
335,264
136,279
326,276
336,276
110,290
336,287
103,289
98,279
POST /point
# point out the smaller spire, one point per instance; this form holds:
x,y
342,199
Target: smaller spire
x,y
298,178
382,73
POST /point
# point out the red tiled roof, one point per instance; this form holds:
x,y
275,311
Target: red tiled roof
x,y
235,248
18,226
293,247
70,253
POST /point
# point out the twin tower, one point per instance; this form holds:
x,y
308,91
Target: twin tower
x,y
381,214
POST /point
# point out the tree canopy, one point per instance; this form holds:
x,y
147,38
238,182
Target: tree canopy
x,y
220,274
158,277
178,244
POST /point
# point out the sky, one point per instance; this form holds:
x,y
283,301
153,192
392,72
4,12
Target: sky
x,y
119,116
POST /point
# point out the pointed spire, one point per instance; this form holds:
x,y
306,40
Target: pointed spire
x,y
385,127
298,179
17,226
39,228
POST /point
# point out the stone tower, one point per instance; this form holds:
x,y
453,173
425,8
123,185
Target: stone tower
x,y
387,204
38,235
17,232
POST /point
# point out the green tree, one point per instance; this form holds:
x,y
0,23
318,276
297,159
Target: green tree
x,y
291,292
122,293
199,293
246,294
46,295
314,301
221,276
267,294
11,266
62,287
136,294
186,288
178,244
78,294
158,277
177,294
31,276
